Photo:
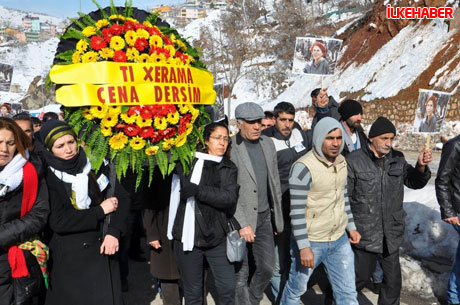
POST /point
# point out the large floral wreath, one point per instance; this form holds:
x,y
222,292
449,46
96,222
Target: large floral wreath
x,y
132,136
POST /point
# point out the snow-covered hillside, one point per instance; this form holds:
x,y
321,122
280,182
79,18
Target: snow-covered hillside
x,y
13,18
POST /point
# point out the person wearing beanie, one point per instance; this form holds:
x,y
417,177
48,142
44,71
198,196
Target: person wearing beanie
x,y
351,113
325,106
319,197
377,174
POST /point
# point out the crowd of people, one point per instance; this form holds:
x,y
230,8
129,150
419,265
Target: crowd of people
x,y
323,201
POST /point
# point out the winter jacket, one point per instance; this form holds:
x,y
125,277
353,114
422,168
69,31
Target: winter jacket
x,y
448,179
76,265
216,200
332,112
376,193
363,140
14,230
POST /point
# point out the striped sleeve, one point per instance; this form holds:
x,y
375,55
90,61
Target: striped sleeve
x,y
351,223
299,185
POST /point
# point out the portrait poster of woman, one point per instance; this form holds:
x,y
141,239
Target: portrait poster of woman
x,y
316,56
431,111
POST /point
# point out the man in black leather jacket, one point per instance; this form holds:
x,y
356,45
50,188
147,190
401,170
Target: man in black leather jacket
x,y
448,195
376,178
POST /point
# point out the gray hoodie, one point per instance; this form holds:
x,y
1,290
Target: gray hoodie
x,y
322,128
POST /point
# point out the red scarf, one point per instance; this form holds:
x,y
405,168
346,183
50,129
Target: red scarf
x,y
16,256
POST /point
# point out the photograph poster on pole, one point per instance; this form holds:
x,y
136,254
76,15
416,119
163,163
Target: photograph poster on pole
x,y
431,111
316,56
6,74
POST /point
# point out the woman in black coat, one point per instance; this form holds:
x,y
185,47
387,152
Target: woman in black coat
x,y
207,199
23,213
83,267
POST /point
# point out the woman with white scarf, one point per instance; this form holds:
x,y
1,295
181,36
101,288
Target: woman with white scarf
x,y
84,264
24,211
201,204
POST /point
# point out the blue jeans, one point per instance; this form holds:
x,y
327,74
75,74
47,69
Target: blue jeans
x,y
453,288
338,259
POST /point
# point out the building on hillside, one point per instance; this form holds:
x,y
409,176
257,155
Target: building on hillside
x,y
192,12
32,36
27,22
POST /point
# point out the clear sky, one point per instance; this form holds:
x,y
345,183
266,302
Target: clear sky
x,y
70,8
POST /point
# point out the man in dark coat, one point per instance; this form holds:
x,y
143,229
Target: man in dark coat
x,y
376,178
351,113
448,195
325,106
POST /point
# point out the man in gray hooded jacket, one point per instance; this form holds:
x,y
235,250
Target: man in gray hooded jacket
x,y
320,216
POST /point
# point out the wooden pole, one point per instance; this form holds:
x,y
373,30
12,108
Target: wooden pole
x,y
428,141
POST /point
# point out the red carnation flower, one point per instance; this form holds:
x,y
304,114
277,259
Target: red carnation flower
x,y
166,40
97,43
146,132
116,29
132,111
157,136
141,44
119,56
128,26
120,126
146,113
170,132
131,130
153,31
107,33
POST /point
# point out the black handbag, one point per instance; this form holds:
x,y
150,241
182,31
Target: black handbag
x,y
30,289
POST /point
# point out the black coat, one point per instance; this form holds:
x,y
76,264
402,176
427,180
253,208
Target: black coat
x,y
162,261
14,229
448,179
333,112
216,199
78,273
376,193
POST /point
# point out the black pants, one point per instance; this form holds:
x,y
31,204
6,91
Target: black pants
x,y
170,292
261,254
191,266
365,266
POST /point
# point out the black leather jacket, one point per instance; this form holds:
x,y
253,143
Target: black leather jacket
x,y
448,179
376,193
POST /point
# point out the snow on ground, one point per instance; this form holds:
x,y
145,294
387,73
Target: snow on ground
x,y
192,31
13,18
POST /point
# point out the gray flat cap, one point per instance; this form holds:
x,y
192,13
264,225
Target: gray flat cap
x,y
249,111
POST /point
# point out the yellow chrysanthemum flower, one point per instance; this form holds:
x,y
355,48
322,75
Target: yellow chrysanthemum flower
x,y
131,37
76,57
87,114
174,61
189,129
143,122
135,21
117,43
183,108
147,23
171,49
137,143
102,23
119,17
98,111
90,56
106,53
161,123
168,143
173,118
181,45
89,31
110,120
141,33
143,58
172,37
157,58
132,54
118,141
195,112
181,139
152,150
114,109
106,131
82,45
128,119
156,41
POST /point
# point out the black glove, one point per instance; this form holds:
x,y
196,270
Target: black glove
x,y
187,189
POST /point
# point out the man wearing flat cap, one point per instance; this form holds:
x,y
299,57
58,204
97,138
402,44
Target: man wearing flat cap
x,y
351,113
259,202
376,178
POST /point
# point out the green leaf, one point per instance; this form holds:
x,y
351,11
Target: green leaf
x,y
151,161
162,161
87,20
113,9
152,18
172,160
79,23
88,128
133,159
65,54
92,138
126,152
73,33
103,13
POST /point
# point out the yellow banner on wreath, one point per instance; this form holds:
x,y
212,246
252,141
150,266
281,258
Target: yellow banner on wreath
x,y
112,83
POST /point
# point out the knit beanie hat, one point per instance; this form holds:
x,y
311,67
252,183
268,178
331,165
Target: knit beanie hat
x,y
349,108
52,130
381,126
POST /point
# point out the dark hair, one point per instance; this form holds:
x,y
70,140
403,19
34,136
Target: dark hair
x,y
50,116
21,139
284,107
24,116
209,129
35,121
315,92
434,100
269,115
